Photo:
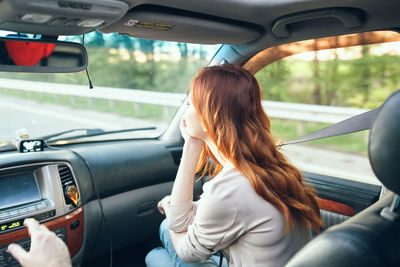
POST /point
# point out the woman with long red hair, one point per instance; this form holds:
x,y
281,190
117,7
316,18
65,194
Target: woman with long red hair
x,y
255,209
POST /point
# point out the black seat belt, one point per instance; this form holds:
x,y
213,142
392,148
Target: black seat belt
x,y
354,124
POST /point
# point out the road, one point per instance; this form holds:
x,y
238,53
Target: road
x,y
332,163
42,118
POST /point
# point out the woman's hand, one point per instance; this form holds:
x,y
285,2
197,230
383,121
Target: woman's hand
x,y
182,127
46,248
188,138
182,191
162,204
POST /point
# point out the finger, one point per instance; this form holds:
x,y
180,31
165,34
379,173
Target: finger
x,y
32,225
160,208
182,128
181,125
162,203
17,252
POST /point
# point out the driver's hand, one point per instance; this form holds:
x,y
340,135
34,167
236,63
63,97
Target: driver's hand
x,y
46,248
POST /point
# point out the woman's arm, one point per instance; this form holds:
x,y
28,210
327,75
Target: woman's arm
x,y
215,226
182,191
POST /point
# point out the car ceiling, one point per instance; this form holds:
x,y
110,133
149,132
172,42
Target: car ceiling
x,y
245,25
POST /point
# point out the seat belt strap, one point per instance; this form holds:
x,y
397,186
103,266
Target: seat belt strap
x,y
354,124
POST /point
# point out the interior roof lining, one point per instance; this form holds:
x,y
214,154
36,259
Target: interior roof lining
x,y
189,13
378,15
246,51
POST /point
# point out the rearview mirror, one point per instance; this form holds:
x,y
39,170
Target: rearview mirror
x,y
36,55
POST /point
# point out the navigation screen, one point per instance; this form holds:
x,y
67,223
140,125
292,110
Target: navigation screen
x,y
31,145
18,189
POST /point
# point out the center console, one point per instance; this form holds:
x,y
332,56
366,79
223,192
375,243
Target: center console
x,y
47,192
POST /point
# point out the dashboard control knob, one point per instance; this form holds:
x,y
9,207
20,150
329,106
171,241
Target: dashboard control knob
x,y
61,236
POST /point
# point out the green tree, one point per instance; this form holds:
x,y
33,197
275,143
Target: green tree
x,y
183,49
94,39
273,81
316,92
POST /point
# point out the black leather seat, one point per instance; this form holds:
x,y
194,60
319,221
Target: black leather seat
x,y
372,237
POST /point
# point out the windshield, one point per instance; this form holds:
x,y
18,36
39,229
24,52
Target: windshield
x,y
137,83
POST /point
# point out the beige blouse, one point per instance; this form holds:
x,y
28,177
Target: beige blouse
x,y
232,217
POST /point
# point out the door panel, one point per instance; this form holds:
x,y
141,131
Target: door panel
x,y
339,199
355,194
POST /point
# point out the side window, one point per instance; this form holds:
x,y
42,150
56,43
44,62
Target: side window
x,y
308,91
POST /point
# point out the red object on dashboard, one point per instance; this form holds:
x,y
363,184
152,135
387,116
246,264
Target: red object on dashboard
x,y
28,53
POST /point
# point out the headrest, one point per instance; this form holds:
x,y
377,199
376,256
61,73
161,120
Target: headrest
x,y
384,143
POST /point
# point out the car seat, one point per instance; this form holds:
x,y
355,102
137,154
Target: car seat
x,y
372,237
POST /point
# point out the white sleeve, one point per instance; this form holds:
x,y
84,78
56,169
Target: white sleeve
x,y
180,216
215,227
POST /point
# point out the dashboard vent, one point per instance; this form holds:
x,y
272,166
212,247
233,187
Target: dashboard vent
x,y
67,180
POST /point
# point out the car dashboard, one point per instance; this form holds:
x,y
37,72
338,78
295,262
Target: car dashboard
x,y
37,184
40,186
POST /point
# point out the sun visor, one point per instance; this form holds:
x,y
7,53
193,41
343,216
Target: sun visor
x,y
168,24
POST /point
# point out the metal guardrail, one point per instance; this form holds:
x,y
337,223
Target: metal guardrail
x,y
116,94
309,112
278,110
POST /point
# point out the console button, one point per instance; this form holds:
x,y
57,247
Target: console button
x,y
31,209
13,213
23,211
10,259
40,217
4,215
41,206
61,233
74,225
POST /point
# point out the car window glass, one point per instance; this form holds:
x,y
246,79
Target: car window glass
x,y
311,90
137,83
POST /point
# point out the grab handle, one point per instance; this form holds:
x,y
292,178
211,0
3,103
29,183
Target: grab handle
x,y
349,17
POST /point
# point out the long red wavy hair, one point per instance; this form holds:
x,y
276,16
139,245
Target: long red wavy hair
x,y
228,101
